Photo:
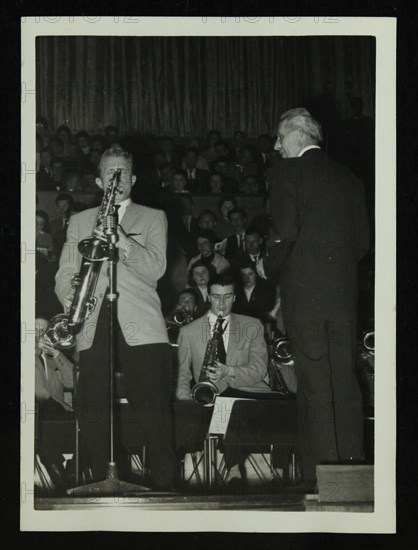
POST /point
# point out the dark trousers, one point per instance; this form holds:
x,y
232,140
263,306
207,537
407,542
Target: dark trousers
x,y
328,396
49,447
148,372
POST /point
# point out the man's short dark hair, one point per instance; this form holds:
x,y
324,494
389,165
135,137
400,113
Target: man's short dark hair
x,y
42,120
220,143
248,265
200,263
56,139
187,291
205,213
111,128
237,210
207,234
194,150
64,197
82,133
180,172
227,198
253,231
222,279
64,128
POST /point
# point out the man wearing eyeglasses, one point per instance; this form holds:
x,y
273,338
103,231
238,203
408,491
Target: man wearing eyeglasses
x,y
319,216
242,355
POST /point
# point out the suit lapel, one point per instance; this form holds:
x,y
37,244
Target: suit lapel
x,y
131,215
234,336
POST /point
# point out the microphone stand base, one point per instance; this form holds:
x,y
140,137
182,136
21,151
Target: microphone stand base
x,y
111,486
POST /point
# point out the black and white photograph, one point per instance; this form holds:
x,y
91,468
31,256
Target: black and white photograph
x,y
208,267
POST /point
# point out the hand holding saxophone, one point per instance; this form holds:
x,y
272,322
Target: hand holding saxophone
x,y
217,371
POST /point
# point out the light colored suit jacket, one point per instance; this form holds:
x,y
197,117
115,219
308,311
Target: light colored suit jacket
x,y
138,270
247,353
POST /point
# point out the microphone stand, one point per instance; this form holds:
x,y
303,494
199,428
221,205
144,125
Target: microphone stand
x,y
112,485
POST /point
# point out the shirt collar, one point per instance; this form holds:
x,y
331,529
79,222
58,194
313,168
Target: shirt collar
x,y
307,149
212,318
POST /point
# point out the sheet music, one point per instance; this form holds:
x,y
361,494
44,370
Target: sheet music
x,y
222,409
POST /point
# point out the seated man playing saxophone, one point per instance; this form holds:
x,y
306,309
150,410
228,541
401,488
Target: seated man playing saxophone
x,y
241,364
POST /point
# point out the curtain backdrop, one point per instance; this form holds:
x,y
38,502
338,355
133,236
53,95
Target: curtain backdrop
x,y
186,86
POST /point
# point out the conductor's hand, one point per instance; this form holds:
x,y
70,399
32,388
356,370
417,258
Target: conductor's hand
x,y
217,372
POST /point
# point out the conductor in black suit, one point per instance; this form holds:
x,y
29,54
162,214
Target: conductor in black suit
x,y
319,215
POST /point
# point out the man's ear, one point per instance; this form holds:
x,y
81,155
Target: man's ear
x,y
99,183
133,180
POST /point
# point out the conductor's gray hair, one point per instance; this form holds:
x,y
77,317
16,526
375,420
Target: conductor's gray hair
x,y
302,119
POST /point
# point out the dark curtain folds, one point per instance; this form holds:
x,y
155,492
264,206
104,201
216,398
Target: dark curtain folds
x,y
188,85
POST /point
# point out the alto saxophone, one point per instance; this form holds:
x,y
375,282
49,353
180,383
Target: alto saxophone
x,y
205,391
63,328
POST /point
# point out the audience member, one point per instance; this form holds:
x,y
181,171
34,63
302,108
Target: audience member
x,y
202,163
249,185
58,173
42,129
223,225
205,243
73,182
238,142
263,221
207,220
98,142
167,178
265,147
180,184
200,274
172,153
64,205
228,171
112,136
235,244
57,146
196,178
64,134
213,137
44,181
246,164
254,296
185,226
46,266
158,160
83,146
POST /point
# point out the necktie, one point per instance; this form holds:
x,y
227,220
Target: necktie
x,y
241,244
221,355
117,206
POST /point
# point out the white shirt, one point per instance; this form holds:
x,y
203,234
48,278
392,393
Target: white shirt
x,y
122,208
204,293
307,149
248,292
225,336
241,238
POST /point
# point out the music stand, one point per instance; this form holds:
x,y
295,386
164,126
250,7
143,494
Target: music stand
x,y
112,485
261,423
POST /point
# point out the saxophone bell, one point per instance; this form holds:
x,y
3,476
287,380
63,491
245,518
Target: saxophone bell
x,y
59,333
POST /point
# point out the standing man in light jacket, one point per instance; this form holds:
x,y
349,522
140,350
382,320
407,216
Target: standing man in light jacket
x,y
143,351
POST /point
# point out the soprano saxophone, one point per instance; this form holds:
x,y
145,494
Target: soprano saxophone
x,y
63,328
